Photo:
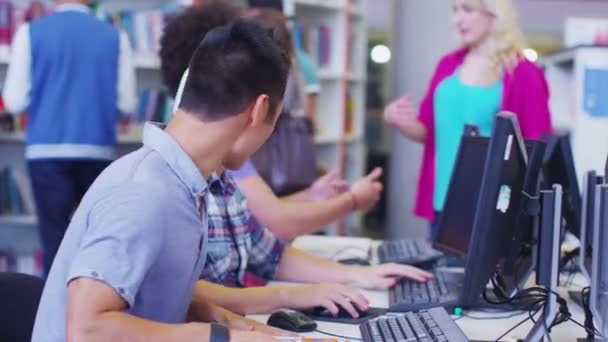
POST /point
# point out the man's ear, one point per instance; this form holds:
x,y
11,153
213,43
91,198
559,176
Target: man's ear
x,y
260,110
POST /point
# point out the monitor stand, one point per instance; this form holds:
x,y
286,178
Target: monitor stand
x,y
548,266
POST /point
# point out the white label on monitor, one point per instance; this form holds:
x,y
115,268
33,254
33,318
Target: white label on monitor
x,y
509,145
504,199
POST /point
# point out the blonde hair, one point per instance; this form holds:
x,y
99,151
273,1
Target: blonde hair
x,y
507,39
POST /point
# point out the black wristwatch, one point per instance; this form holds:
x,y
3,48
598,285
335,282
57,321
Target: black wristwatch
x,y
219,333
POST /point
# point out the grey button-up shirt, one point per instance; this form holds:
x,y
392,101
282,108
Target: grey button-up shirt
x,y
141,229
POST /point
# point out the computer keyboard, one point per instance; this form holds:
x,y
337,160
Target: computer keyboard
x,y
409,251
409,295
433,325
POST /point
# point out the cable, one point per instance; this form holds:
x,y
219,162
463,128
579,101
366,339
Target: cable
x,y
595,332
589,326
513,328
339,336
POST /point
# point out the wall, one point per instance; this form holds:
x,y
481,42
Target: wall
x,y
422,34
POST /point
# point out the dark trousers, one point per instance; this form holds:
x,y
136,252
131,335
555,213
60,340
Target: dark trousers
x,y
58,187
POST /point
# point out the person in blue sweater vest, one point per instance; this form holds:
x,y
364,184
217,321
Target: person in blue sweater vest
x,y
72,74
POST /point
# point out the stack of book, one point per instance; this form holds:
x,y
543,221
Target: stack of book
x,y
316,40
154,105
15,196
28,264
144,28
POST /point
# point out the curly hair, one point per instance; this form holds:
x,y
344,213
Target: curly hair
x,y
185,31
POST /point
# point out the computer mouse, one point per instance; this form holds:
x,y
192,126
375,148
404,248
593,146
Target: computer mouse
x,y
355,261
292,321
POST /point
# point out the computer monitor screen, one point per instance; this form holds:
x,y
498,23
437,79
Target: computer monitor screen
x,y
599,278
515,267
456,221
274,4
559,169
498,205
590,182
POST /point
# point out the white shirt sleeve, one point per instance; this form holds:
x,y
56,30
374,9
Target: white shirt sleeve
x,y
18,83
126,99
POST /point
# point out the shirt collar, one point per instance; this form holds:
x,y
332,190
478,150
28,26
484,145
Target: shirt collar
x,y
73,7
156,138
223,184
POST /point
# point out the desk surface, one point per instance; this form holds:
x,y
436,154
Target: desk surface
x,y
477,325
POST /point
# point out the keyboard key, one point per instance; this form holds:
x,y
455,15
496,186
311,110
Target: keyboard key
x,y
441,338
385,331
396,330
416,325
374,331
436,331
405,327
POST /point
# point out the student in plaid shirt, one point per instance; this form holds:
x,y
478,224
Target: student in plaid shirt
x,y
239,247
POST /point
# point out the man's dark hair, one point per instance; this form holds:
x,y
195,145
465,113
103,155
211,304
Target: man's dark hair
x,y
276,22
184,32
232,66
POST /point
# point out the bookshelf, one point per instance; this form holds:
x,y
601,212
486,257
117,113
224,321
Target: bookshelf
x,y
341,100
341,112
578,81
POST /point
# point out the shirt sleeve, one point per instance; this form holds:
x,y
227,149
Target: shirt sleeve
x,y
309,72
122,241
266,251
246,171
18,82
126,89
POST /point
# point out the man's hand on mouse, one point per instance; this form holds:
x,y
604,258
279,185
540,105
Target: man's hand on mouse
x,y
329,296
386,275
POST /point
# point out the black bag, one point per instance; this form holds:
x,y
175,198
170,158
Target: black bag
x,y
287,161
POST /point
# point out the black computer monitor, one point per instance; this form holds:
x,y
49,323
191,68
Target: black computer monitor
x,y
456,221
498,206
599,275
515,267
559,168
590,182
548,248
274,4
547,274
606,168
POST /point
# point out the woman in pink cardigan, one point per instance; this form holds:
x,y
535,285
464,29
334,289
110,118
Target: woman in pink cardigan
x,y
470,86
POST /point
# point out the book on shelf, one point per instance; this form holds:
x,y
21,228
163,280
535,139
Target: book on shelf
x,y
316,41
15,194
13,14
154,105
143,27
28,264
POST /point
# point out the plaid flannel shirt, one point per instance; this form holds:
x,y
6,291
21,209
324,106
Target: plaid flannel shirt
x,y
238,245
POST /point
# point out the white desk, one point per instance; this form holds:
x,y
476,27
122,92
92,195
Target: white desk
x,y
477,325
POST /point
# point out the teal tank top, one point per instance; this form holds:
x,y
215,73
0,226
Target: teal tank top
x,y
457,104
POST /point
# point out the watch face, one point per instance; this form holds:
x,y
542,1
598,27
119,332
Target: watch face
x,y
274,4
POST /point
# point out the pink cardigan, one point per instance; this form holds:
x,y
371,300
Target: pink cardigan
x,y
525,92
